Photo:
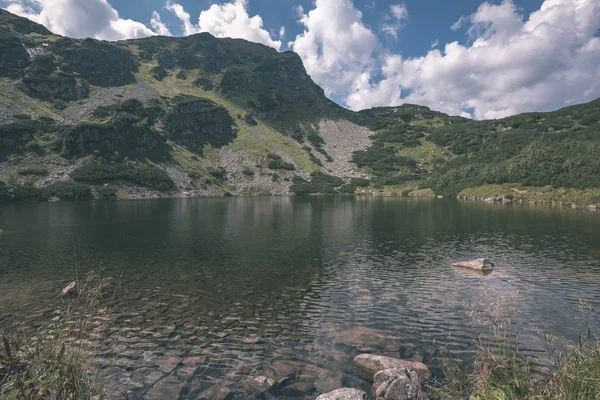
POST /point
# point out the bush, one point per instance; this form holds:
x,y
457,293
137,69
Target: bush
x,y
360,182
69,190
37,170
320,183
106,192
248,171
148,176
276,162
347,189
10,193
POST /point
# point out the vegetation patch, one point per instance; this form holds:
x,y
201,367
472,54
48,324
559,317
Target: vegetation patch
x,y
147,176
319,183
276,162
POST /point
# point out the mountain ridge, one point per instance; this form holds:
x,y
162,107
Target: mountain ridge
x,y
202,116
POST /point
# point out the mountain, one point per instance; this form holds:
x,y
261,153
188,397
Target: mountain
x,y
201,116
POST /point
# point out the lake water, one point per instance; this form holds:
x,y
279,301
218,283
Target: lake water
x,y
236,288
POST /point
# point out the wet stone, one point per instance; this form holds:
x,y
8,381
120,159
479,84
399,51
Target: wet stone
x,y
168,362
167,388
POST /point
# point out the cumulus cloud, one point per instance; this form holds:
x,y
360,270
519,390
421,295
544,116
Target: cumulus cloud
x,y
512,64
79,19
397,17
227,20
336,47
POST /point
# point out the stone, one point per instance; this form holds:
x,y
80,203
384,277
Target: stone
x,y
362,337
259,384
372,364
194,361
344,394
146,376
167,363
480,264
216,393
167,388
395,384
70,290
327,384
186,373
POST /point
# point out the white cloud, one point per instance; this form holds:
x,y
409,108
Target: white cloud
x,y
79,19
227,20
513,64
397,17
188,27
459,23
159,26
282,32
435,43
335,46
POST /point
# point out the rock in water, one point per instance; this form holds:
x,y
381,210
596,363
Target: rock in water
x,y
394,384
480,264
70,290
344,394
372,364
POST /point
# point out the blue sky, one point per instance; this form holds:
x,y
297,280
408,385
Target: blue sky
x,y
428,20
476,58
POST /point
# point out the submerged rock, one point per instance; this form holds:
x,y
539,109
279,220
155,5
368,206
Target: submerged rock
x,y
344,394
393,384
372,364
167,388
480,264
70,290
365,338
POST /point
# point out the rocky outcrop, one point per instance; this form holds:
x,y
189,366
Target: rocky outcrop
x,y
394,384
480,264
344,394
195,122
372,364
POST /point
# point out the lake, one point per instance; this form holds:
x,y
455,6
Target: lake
x,y
215,292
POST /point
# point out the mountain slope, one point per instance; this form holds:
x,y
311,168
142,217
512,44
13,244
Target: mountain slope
x,y
200,116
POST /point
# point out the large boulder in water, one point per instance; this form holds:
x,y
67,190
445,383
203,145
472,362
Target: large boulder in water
x,y
480,264
372,364
393,384
344,394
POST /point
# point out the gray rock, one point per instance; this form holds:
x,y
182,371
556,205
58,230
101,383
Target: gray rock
x,y
167,388
344,394
394,384
70,290
480,264
372,364
216,393
168,362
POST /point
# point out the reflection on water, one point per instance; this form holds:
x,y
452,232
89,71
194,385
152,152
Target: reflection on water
x,y
217,292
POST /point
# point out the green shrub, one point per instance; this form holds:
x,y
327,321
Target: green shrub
x,y
69,190
148,176
10,193
248,171
347,189
37,170
360,182
106,192
320,183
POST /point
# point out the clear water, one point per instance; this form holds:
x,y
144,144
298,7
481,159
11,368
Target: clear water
x,y
282,287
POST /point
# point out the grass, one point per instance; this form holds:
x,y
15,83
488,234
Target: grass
x,y
56,363
501,370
